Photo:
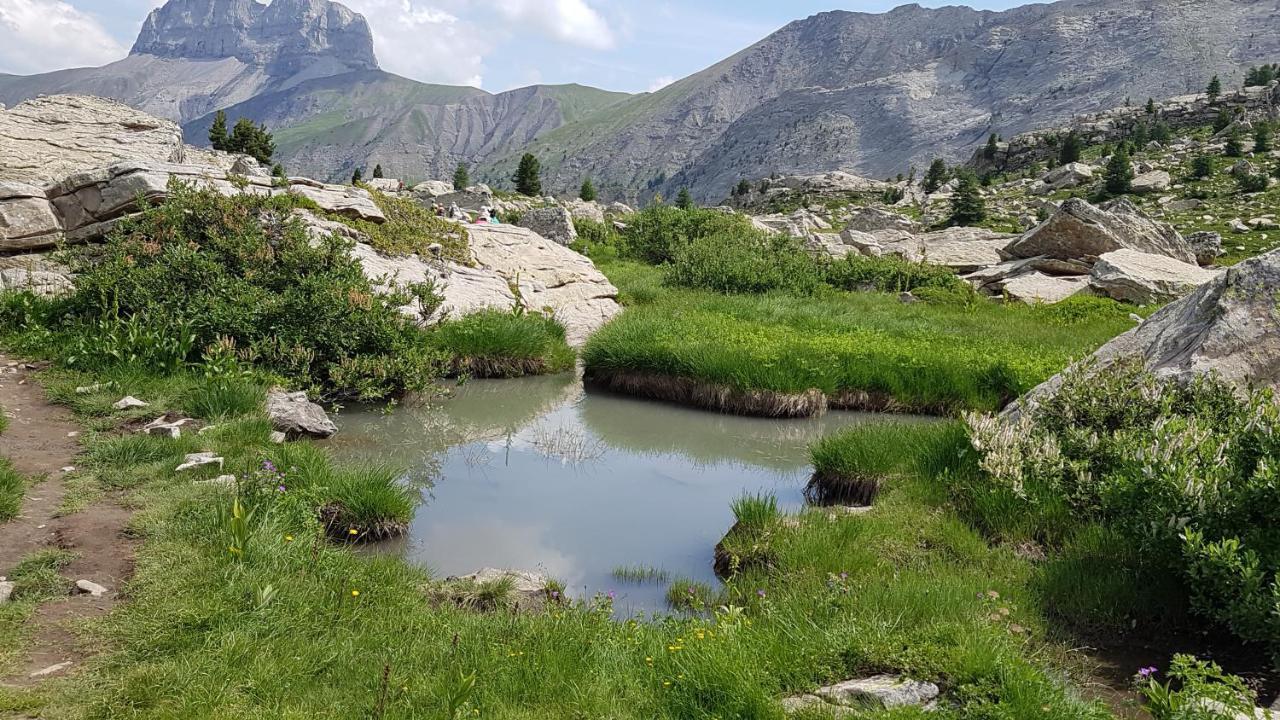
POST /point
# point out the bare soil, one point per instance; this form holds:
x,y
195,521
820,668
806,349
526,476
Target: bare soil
x,y
42,441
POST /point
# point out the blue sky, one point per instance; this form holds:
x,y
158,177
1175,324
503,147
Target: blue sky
x,y
630,45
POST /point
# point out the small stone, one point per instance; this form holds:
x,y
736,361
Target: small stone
x,y
223,480
195,460
69,468
6,591
128,403
880,692
51,670
74,433
278,437
90,588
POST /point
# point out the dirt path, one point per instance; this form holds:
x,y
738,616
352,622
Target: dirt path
x,y
42,441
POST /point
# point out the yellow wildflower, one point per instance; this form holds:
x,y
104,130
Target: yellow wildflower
x,y
355,593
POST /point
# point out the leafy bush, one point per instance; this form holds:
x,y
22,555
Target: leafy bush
x,y
893,274
657,232
592,234
496,343
203,269
744,261
1196,690
1182,473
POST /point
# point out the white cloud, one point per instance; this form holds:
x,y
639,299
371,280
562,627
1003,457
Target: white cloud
x,y
425,42
661,82
41,35
571,21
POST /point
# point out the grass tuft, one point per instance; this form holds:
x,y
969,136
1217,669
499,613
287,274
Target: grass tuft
x,y
500,344
367,505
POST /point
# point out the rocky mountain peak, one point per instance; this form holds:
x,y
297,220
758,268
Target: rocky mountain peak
x,y
284,37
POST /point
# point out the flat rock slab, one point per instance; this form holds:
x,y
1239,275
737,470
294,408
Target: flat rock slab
x,y
195,460
1143,278
879,692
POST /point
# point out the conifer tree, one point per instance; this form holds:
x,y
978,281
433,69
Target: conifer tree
x,y
218,131
1214,91
684,200
357,177
1151,106
1235,144
1118,178
936,176
967,205
1262,137
993,146
253,140
1202,167
1071,148
528,177
588,191
461,177
377,171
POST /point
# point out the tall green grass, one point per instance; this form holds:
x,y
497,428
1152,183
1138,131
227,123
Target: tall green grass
x,y
851,466
11,490
863,350
497,343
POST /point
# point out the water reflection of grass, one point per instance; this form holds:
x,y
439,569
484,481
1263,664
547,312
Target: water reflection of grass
x,y
640,574
567,444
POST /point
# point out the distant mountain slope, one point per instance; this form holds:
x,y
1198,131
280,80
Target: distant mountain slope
x,y
307,69
876,93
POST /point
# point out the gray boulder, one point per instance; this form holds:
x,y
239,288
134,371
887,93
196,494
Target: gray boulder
x,y
879,692
1151,182
554,223
870,219
1143,278
296,416
1037,287
432,188
1064,177
1229,326
385,185
1080,231
1207,247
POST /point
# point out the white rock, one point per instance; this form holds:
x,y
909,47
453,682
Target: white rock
x,y
52,670
88,587
1037,287
6,591
223,481
129,402
195,460
1143,278
278,437
296,416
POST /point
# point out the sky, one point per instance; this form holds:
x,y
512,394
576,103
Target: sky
x,y
627,45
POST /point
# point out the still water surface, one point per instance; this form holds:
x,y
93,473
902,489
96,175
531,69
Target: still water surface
x,y
536,474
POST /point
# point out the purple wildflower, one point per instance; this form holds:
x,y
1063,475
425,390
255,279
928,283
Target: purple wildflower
x,y
760,592
1147,672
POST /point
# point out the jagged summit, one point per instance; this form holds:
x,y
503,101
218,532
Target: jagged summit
x,y
284,37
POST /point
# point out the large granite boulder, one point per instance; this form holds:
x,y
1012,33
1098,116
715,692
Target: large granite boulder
x,y
48,138
385,185
1229,326
585,209
432,189
554,223
870,219
1151,182
1080,231
1036,287
1206,245
549,276
963,249
1143,278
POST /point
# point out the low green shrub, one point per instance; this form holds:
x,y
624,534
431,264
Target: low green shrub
x,y
498,343
411,228
893,274
657,232
202,270
744,261
593,234
1195,690
1182,474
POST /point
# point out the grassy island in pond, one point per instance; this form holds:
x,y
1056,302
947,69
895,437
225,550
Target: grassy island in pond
x,y
795,347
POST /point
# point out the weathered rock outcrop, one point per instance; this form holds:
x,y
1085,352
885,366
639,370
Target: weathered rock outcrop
x,y
879,692
48,138
1229,326
548,276
1063,177
1079,230
1143,278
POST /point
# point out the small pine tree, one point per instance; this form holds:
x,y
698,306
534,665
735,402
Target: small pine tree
x,y
744,187
1151,106
1162,133
1262,135
1072,147
1222,120
277,170
1140,136
1118,179
1202,167
1214,91
588,191
253,140
967,205
684,200
936,176
1235,144
377,171
218,137
993,146
357,177
461,177
528,177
